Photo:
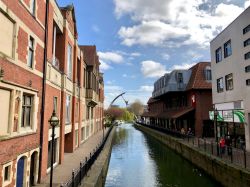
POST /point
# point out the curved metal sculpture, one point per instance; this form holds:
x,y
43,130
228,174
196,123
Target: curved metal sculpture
x,y
120,95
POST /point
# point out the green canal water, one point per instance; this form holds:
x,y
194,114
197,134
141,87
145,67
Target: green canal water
x,y
138,160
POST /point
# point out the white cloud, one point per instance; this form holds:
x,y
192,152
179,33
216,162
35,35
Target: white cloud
x,y
104,66
95,28
247,3
111,57
135,54
152,69
165,56
146,88
182,66
185,22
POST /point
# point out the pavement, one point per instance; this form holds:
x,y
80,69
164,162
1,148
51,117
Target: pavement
x,y
63,172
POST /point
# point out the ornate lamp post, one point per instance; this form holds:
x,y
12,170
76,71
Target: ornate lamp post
x,y
216,113
54,121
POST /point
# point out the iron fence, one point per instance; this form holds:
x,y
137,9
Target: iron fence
x,y
229,154
85,165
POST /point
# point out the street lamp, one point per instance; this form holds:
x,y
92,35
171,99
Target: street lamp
x,y
216,113
54,121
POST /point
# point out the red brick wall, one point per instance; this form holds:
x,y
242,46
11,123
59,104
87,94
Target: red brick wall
x,y
22,40
26,17
41,10
39,56
50,94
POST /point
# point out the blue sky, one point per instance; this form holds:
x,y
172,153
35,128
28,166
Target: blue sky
x,y
140,40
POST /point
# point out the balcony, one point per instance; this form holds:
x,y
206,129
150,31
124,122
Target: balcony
x,y
92,97
170,88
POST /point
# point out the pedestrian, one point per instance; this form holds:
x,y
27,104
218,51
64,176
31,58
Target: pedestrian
x,y
222,145
189,133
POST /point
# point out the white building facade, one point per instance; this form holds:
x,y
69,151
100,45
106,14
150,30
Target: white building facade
x,y
230,62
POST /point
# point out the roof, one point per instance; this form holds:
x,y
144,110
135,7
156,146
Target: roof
x,y
151,100
197,79
174,114
89,53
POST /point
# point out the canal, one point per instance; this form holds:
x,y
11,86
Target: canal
x,y
138,160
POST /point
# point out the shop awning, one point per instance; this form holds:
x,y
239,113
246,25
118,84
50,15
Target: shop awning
x,y
173,114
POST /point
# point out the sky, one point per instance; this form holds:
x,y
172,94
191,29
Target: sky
x,y
138,41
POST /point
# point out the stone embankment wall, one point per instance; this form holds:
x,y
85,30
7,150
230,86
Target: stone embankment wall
x,y
97,174
227,174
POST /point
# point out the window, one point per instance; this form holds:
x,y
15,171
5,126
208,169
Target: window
x,y
179,78
246,29
248,82
208,73
247,55
229,81
26,111
55,104
33,7
76,138
5,98
7,171
220,85
68,111
218,55
69,64
7,35
227,49
247,42
49,153
247,69
82,133
31,52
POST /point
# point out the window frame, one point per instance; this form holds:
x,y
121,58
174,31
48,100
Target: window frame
x,y
246,29
247,56
227,52
229,81
247,42
33,7
68,109
31,51
247,69
26,106
55,104
218,55
69,62
248,82
220,85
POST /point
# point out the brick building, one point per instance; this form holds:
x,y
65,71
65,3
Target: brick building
x,y
182,99
31,88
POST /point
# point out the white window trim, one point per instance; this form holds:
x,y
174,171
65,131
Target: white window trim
x,y
5,183
20,130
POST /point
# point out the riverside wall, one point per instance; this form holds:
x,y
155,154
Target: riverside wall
x,y
97,174
225,173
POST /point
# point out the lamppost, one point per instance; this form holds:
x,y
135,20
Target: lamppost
x,y
216,113
54,121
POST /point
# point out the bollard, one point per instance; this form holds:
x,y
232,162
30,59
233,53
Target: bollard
x,y
80,179
245,159
73,178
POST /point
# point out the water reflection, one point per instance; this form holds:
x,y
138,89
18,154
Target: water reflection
x,y
138,160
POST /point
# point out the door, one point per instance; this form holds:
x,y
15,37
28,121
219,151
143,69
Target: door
x,y
20,172
32,169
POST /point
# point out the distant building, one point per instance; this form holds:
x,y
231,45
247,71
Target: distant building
x,y
230,55
182,99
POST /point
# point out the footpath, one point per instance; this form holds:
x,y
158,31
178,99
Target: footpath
x,y
63,172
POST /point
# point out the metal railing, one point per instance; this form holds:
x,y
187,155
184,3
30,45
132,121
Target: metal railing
x,y
229,154
85,165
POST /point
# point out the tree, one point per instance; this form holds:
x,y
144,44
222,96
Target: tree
x,y
136,107
113,113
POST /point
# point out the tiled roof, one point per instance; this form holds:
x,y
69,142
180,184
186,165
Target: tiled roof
x,y
89,53
197,79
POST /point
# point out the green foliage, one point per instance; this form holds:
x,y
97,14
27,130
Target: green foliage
x,y
115,113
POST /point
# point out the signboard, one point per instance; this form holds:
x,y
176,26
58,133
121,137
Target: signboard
x,y
237,116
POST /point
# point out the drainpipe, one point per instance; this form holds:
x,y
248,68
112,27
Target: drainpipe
x,y
43,87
